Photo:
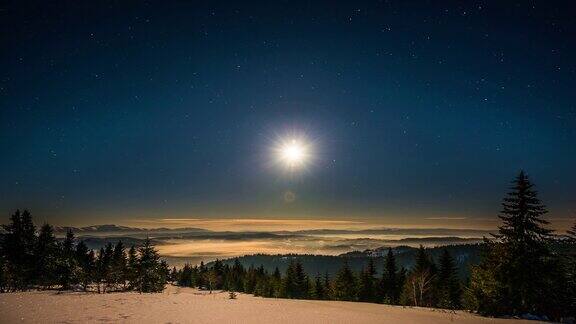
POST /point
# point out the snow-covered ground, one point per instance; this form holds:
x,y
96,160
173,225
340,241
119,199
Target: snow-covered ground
x,y
186,305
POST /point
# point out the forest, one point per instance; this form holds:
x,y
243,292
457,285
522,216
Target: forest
x,y
524,268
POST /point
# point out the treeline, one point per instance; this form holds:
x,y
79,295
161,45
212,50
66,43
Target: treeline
x,y
524,269
427,284
36,259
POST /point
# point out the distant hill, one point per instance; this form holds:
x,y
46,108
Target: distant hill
x,y
114,229
95,243
464,254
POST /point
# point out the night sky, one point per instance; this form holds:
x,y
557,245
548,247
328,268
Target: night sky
x,y
416,112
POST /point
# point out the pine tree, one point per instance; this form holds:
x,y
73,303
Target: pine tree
x,y
100,270
106,268
367,283
67,266
518,274
46,254
218,269
449,285
131,270
344,285
85,260
18,247
237,275
151,272
185,278
302,285
319,291
118,265
276,283
390,287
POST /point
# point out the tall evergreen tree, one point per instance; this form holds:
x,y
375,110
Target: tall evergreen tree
x,y
118,265
100,270
18,247
448,283
319,291
518,273
390,286
344,286
131,270
85,260
46,254
288,288
151,271
106,268
301,282
367,291
67,266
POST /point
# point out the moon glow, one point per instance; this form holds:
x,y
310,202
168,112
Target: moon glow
x,y
293,153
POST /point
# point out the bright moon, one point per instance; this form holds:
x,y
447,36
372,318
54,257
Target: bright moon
x,y
293,153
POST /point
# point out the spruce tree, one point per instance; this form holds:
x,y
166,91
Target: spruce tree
x,y
67,266
118,265
390,287
85,259
185,278
46,254
301,283
131,270
18,247
344,285
237,274
151,271
106,269
276,282
319,291
518,274
366,283
448,283
100,270
288,288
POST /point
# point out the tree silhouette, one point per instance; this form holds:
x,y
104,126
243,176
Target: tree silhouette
x,y
449,285
118,265
46,253
151,272
367,283
344,286
67,266
85,260
518,273
18,247
319,291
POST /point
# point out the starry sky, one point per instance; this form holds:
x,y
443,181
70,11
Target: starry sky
x,y
418,113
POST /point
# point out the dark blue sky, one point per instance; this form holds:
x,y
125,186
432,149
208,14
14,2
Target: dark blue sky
x,y
417,110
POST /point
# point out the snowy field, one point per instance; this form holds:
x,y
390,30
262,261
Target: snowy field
x,y
187,305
